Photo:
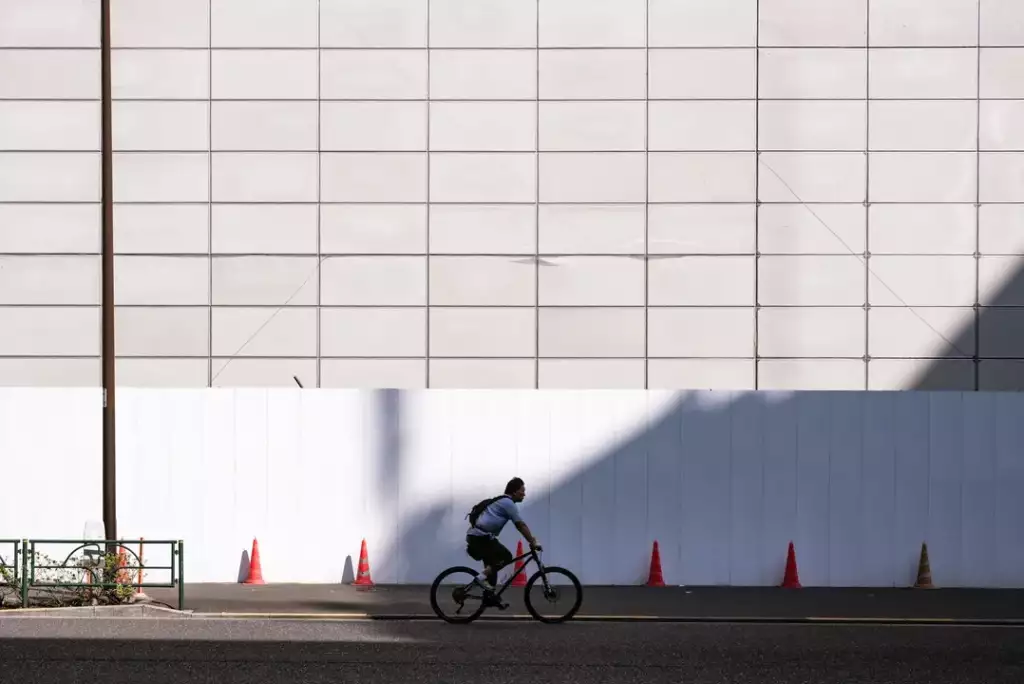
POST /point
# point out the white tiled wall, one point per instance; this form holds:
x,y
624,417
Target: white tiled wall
x,y
519,193
49,192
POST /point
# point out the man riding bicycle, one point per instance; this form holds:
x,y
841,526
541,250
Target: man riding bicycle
x,y
486,522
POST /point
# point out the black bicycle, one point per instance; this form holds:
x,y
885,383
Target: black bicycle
x,y
467,594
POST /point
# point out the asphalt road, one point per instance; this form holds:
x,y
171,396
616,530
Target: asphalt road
x,y
289,652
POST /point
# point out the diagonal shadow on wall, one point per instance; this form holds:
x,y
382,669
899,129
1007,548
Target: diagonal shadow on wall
x,y
999,334
724,482
808,450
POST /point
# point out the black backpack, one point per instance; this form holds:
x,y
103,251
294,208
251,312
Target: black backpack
x,y
474,513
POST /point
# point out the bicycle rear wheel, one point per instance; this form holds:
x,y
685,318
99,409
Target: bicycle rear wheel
x,y
460,590
551,593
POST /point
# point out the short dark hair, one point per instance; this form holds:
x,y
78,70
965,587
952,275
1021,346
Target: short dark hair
x,y
513,485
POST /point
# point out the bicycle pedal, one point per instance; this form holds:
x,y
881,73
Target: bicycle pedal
x,y
502,606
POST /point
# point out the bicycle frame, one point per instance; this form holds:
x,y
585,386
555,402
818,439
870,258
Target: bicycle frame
x,y
533,555
460,592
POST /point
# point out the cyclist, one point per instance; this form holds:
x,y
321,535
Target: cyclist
x,y
486,522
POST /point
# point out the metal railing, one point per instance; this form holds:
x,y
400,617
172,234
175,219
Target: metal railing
x,y
10,562
99,564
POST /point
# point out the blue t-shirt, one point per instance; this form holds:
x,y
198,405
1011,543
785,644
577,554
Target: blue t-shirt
x,y
494,517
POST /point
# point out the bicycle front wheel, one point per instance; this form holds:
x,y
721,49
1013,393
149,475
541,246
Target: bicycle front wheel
x,y
538,594
454,589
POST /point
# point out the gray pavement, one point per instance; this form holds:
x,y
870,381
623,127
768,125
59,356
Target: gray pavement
x,y
679,603
227,651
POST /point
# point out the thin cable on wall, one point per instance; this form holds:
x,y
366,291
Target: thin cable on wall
x,y
269,319
864,261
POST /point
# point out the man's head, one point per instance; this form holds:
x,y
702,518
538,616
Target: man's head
x,y
516,489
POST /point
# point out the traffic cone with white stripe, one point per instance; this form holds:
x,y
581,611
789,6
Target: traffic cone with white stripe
x,y
363,578
255,566
520,579
924,570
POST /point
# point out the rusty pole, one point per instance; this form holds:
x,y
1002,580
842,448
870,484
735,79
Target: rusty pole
x,y
107,297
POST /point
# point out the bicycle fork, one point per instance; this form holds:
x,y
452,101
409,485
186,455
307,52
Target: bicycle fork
x,y
549,591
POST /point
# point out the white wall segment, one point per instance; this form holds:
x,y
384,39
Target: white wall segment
x,y
51,451
678,194
722,480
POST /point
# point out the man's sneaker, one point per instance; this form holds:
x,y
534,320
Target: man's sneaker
x,y
493,601
489,598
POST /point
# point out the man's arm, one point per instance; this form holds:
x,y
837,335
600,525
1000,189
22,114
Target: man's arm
x,y
525,531
517,520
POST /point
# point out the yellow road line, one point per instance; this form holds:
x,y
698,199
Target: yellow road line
x,y
291,616
880,619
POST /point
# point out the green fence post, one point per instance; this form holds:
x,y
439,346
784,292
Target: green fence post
x,y
24,572
181,575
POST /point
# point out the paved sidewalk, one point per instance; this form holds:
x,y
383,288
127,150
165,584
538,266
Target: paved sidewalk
x,y
690,603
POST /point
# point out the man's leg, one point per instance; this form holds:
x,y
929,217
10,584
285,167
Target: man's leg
x,y
482,549
499,558
490,571
477,549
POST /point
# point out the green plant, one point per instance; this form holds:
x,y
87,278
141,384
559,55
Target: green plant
x,y
98,578
10,587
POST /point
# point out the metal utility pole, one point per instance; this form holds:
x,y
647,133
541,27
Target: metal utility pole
x,y
107,297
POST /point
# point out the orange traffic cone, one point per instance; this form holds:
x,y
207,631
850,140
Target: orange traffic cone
x,y
655,577
520,579
140,595
792,578
924,570
363,572
122,564
255,567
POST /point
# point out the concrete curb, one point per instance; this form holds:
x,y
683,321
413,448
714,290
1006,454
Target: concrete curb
x,y
137,611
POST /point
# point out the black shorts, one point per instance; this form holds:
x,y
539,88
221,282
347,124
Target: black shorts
x,y
487,550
